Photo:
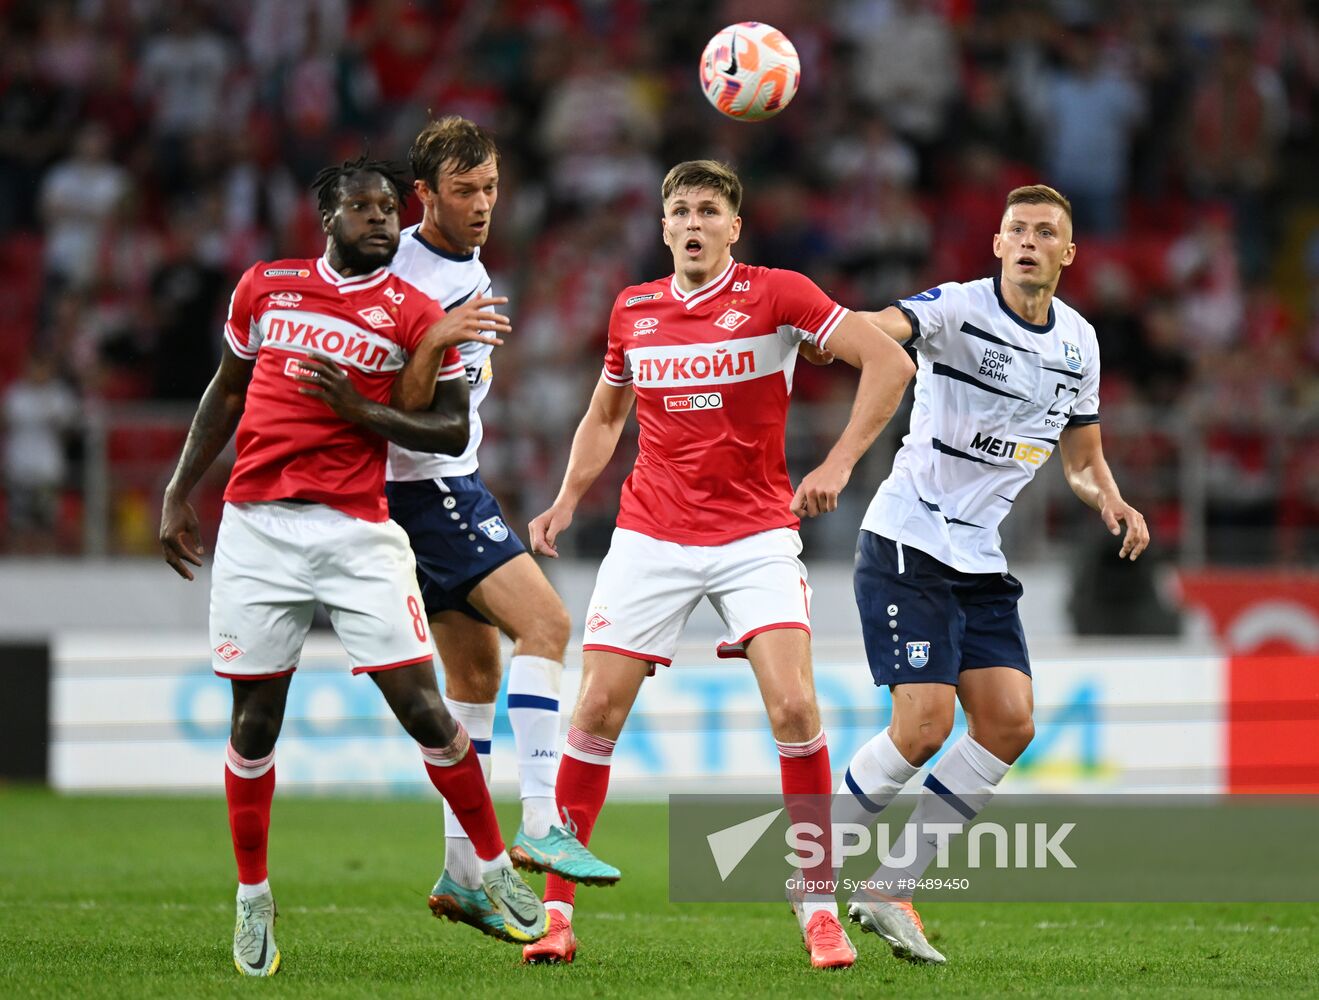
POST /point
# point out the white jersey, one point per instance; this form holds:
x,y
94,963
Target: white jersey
x,y
450,280
993,394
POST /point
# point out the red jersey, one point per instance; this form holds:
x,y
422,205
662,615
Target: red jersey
x,y
712,371
291,445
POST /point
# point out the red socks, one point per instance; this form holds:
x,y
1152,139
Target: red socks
x,y
580,792
807,789
249,786
456,772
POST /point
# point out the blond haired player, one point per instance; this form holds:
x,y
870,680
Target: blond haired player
x,y
1008,374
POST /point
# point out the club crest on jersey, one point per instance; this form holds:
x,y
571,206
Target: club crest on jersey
x,y
494,528
290,300
649,297
1072,355
228,652
918,654
731,320
377,317
596,622
287,272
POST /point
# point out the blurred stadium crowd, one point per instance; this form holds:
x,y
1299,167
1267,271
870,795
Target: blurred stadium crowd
x,y
151,150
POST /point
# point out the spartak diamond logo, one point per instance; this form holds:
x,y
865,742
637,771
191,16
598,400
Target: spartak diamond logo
x,y
596,622
227,651
731,319
376,317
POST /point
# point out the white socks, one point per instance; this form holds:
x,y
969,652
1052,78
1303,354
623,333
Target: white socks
x,y
460,858
533,712
961,785
874,776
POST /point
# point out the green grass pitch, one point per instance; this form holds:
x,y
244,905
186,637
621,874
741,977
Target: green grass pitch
x,y
133,897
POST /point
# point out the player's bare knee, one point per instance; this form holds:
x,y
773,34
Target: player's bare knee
x,y
424,717
794,719
253,731
1016,734
922,740
599,714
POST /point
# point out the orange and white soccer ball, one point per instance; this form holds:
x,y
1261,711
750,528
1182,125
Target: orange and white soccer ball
x,y
750,71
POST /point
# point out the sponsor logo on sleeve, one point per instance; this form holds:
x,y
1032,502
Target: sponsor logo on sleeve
x,y
649,297
377,317
731,320
929,295
694,401
287,272
918,654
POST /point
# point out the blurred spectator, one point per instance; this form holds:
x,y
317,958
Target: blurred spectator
x,y
78,200
905,65
39,411
36,117
1238,122
186,294
1086,112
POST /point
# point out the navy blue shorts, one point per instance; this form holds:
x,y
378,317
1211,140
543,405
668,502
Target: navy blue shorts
x,y
458,535
929,622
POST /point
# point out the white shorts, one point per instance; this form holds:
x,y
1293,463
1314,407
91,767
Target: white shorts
x,y
647,589
274,561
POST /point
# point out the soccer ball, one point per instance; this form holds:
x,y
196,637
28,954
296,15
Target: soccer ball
x,y
750,71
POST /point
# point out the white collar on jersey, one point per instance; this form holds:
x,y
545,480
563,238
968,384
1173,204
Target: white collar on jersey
x,y
354,283
698,295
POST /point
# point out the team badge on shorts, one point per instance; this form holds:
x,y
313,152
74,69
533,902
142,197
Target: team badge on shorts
x,y
228,651
918,654
494,529
596,622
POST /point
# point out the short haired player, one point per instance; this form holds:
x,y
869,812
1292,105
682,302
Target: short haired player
x,y
314,350
1008,373
708,512
476,577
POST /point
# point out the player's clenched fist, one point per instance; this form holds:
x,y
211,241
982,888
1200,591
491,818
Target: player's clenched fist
x,y
545,528
471,321
818,492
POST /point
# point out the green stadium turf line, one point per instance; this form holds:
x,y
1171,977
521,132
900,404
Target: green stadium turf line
x,y
132,897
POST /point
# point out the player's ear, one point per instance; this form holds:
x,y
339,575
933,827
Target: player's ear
x,y
736,230
424,193
664,230
325,221
998,246
1069,254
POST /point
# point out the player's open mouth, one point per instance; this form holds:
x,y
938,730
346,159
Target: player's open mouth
x,y
380,239
1026,262
693,248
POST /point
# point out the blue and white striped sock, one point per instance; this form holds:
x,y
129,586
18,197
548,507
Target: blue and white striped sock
x,y
533,712
460,858
960,785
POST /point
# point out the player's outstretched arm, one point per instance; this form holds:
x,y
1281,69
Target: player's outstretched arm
x,y
593,445
214,424
885,372
1092,480
892,320
443,428
474,320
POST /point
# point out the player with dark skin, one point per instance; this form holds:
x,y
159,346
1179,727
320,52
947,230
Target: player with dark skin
x,y
362,235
